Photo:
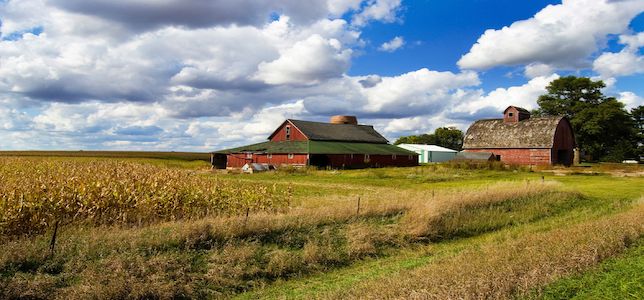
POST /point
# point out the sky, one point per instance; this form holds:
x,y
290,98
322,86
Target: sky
x,y
194,75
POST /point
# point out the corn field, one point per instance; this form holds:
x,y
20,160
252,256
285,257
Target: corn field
x,y
37,193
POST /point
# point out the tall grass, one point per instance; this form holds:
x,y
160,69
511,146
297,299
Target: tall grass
x,y
220,256
511,268
475,211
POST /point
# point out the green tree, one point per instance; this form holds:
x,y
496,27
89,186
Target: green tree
x,y
448,137
638,118
603,128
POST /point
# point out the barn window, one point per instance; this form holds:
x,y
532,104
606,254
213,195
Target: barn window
x,y
249,155
411,157
498,157
393,156
290,156
351,155
366,158
288,133
510,114
270,155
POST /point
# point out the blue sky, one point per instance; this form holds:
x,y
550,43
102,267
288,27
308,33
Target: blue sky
x,y
191,75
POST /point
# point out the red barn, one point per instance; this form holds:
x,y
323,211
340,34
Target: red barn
x,y
339,144
520,139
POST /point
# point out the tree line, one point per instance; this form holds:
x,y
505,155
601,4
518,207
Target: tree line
x,y
448,137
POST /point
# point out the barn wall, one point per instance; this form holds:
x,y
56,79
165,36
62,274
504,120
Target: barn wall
x,y
239,160
296,134
282,159
358,161
564,140
520,156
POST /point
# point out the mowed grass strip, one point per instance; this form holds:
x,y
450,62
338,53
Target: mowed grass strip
x,y
511,268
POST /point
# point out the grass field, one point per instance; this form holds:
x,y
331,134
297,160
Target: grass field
x,y
435,231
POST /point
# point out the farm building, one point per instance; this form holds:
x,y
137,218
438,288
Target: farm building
x,y
430,153
475,156
342,143
520,139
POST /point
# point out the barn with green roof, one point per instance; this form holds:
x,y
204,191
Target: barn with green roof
x,y
342,143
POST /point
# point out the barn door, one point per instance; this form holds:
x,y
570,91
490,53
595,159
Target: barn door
x,y
563,157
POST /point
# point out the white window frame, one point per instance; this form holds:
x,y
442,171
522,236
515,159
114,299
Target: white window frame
x,y
270,155
288,132
290,156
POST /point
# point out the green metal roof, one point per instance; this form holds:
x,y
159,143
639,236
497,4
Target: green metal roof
x,y
320,147
270,147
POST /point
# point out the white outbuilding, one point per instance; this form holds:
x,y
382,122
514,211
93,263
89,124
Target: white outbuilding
x,y
430,153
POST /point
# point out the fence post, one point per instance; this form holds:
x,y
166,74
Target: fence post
x,y
358,209
52,244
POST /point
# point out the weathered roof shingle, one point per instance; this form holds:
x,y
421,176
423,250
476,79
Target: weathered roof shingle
x,y
529,133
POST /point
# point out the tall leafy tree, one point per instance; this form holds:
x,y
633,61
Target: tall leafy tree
x,y
603,128
448,137
638,118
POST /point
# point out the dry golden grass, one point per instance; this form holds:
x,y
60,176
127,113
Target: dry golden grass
x,y
513,267
219,256
434,217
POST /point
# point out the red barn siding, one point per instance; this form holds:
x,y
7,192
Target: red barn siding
x,y
239,160
513,118
334,160
296,134
520,156
358,161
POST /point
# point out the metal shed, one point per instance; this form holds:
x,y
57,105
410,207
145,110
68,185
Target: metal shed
x,y
430,153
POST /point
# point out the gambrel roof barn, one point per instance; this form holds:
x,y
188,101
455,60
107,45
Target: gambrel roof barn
x,y
519,138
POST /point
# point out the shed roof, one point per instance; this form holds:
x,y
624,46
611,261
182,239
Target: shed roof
x,y
529,133
474,156
319,147
432,148
318,131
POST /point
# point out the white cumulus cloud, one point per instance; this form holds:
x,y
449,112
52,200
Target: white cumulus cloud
x,y
392,45
562,35
623,63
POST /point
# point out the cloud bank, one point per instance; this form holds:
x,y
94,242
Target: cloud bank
x,y
203,75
